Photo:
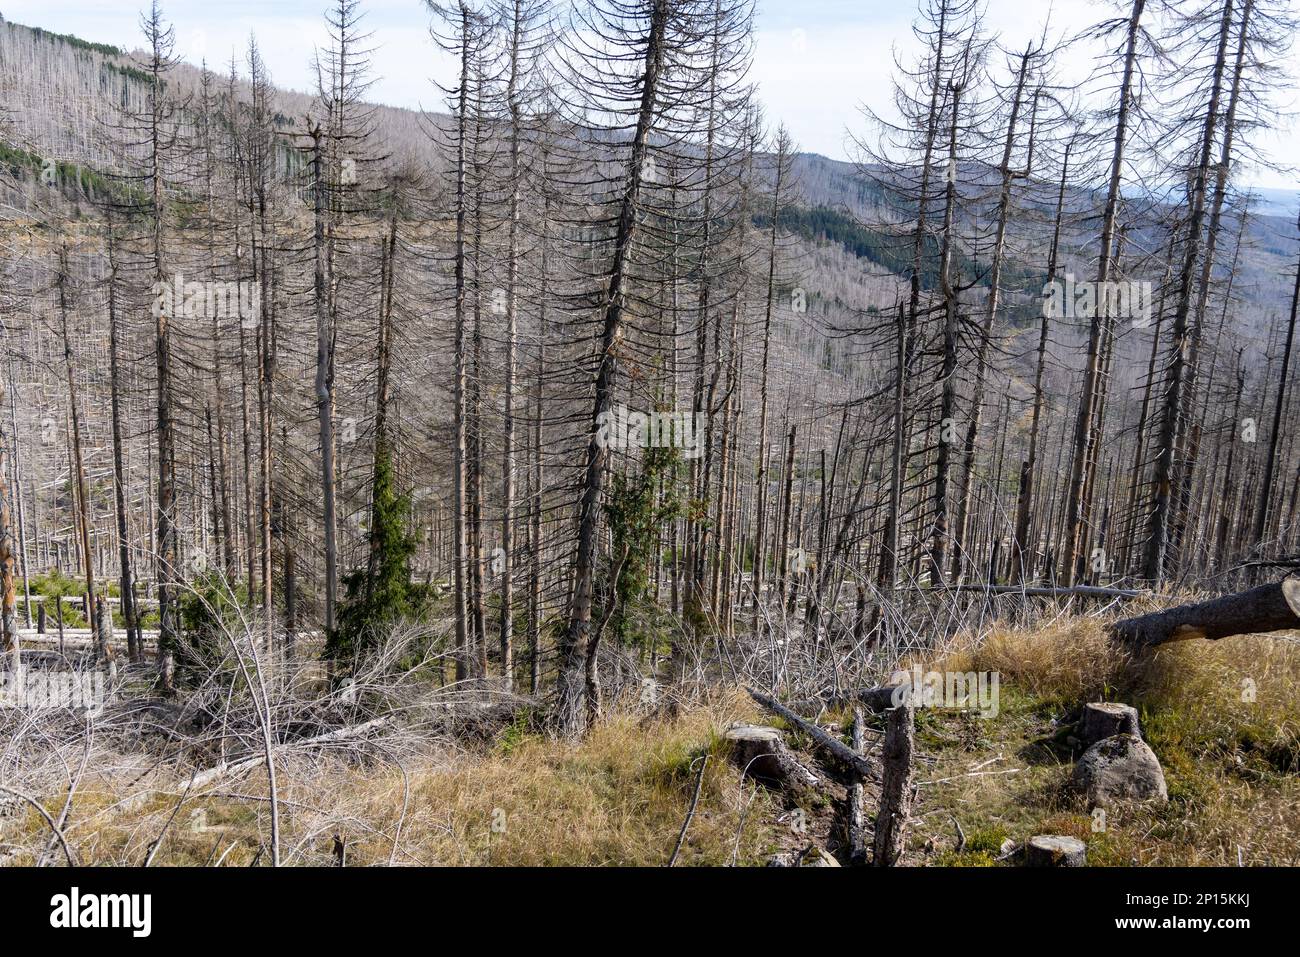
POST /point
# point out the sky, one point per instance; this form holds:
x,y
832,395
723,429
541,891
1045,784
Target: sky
x,y
816,62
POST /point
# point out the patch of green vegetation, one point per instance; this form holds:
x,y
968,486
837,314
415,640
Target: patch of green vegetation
x,y
107,49
133,73
381,594
517,732
72,179
892,251
209,612
986,840
966,858
56,587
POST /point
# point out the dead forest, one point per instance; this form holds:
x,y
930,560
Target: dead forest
x,y
583,396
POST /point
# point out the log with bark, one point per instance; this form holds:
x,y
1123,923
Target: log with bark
x,y
1272,607
838,749
875,700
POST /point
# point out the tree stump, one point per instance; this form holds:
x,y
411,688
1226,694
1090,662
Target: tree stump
x,y
1054,850
762,755
1101,719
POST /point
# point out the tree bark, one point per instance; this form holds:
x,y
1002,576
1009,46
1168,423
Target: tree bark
x,y
1272,607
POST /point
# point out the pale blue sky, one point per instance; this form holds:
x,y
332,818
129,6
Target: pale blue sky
x,y
816,61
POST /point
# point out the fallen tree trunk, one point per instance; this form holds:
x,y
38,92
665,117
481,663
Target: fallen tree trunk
x,y
1272,607
874,700
1046,591
229,768
837,748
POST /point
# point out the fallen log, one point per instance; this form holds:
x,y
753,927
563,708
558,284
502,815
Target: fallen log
x,y
856,762
874,700
230,768
1048,591
1272,607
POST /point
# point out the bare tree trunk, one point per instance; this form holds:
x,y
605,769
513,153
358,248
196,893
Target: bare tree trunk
x,y
570,713
126,581
1270,461
990,316
324,387
9,644
103,649
939,530
1029,469
1163,473
1083,432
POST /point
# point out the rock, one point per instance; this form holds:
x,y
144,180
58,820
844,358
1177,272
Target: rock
x,y
815,856
761,754
810,856
1102,719
1120,768
1055,850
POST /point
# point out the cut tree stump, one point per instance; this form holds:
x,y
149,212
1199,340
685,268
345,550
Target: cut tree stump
x,y
1272,607
1052,850
1101,719
761,754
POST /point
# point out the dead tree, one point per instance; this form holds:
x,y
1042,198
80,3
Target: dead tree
x,y
896,787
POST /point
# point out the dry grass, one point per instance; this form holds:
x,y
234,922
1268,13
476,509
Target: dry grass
x,y
1223,717
617,797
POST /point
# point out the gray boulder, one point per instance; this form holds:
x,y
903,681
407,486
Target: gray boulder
x,y
1120,768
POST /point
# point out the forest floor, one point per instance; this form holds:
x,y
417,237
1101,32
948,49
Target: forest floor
x,y
1223,718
